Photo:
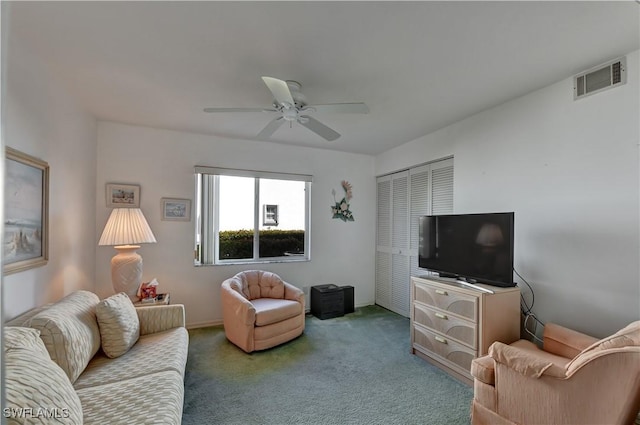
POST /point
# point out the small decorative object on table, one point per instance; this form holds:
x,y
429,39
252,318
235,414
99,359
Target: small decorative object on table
x,y
148,290
160,299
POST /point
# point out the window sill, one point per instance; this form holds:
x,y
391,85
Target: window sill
x,y
296,258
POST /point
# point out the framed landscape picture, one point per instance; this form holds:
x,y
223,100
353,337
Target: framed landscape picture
x,y
26,230
123,195
176,209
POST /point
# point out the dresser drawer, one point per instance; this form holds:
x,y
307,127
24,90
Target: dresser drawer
x,y
453,302
453,327
457,356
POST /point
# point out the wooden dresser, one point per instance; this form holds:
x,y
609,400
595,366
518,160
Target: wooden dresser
x,y
452,324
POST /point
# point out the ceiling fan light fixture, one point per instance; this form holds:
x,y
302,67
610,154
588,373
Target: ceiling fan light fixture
x,y
290,114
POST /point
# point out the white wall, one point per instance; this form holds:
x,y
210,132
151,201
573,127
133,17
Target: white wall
x,y
42,120
162,162
569,170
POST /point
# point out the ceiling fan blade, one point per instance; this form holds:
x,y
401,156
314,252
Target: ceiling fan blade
x,y
319,128
280,91
239,110
273,125
342,108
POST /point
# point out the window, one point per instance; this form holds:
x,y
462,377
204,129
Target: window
x,y
251,216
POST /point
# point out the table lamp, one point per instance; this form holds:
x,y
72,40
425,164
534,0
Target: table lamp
x,y
490,236
125,229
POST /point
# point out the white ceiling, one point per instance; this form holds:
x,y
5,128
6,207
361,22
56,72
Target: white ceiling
x,y
419,66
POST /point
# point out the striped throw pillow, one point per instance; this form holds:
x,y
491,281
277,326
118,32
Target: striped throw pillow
x,y
119,324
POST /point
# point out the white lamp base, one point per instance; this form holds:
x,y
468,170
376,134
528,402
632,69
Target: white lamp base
x,y
126,270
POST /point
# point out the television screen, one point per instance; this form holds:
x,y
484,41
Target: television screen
x,y
477,248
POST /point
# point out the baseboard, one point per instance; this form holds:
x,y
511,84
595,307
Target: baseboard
x,y
204,324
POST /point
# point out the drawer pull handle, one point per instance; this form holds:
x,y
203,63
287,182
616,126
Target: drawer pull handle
x,y
441,339
442,316
441,292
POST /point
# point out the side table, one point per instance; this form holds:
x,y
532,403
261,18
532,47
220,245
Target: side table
x,y
160,299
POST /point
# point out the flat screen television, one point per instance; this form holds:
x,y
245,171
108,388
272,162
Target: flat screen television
x,y
475,248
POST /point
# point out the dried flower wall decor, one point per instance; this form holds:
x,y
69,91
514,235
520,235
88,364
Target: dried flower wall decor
x,y
341,209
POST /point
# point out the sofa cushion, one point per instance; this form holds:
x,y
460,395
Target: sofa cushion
x,y
70,332
269,310
119,324
152,353
155,398
36,387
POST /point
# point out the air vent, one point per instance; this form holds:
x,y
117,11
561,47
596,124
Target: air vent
x,y
603,77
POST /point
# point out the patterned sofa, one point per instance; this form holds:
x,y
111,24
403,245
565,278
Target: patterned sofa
x,y
85,361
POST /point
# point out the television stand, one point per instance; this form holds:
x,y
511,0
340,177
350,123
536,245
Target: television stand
x,y
474,286
453,322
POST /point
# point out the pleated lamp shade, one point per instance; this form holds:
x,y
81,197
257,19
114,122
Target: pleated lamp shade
x,y
490,235
126,226
125,229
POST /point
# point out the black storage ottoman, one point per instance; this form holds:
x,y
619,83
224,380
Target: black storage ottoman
x,y
327,301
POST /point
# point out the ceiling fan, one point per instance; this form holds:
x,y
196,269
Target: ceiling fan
x,y
291,106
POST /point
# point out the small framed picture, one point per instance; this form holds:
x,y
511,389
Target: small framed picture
x,y
176,209
123,195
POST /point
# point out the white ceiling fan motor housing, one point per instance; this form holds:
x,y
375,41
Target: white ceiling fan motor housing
x,y
298,97
290,114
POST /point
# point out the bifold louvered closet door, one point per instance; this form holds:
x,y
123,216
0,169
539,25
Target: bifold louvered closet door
x,y
402,198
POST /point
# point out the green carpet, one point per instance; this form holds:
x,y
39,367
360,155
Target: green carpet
x,y
355,369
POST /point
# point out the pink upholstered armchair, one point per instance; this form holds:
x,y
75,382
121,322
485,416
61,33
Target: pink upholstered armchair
x,y
260,310
574,379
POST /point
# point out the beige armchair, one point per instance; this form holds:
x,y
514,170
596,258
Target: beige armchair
x,y
573,379
260,310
